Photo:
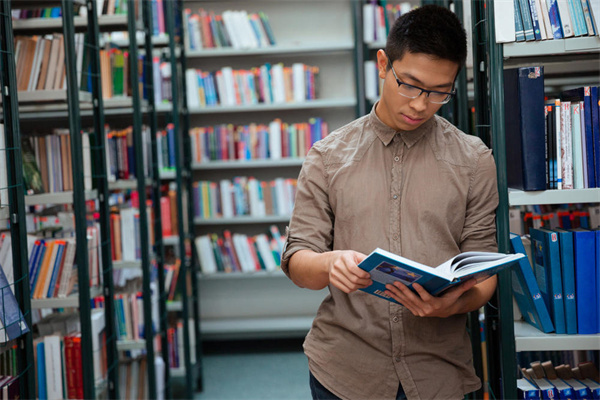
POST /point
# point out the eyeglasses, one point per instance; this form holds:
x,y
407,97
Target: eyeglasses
x,y
412,92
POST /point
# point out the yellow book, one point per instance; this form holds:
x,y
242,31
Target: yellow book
x,y
41,281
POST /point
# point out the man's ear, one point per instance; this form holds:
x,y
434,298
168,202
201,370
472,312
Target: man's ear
x,y
382,63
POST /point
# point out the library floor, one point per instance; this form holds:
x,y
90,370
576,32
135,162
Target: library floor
x,y
255,370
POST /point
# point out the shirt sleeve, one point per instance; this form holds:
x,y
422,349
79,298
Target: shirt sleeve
x,y
311,225
479,231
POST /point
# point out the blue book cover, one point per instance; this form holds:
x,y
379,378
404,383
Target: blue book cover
x,y
555,19
596,131
564,390
525,128
565,240
585,281
519,33
526,18
593,386
13,322
38,266
535,19
33,258
597,234
41,372
387,268
56,267
526,290
547,390
578,19
546,256
527,390
580,390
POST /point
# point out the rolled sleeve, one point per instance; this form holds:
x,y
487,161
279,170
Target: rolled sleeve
x,y
311,225
479,231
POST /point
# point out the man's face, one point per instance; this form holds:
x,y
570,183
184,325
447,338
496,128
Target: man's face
x,y
416,69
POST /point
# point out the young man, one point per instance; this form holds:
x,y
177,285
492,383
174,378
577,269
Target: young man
x,y
405,180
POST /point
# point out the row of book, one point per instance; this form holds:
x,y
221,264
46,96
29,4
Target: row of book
x,y
378,19
175,342
60,350
125,233
266,84
133,378
168,211
243,196
236,29
557,287
238,252
40,61
120,153
129,314
525,20
553,145
256,141
521,222
165,142
542,380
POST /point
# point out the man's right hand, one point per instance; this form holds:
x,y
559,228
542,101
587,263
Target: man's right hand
x,y
344,272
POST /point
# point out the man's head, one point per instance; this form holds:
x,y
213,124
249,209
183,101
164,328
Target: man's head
x,y
425,50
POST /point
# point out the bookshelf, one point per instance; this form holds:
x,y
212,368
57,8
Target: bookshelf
x,y
506,336
297,40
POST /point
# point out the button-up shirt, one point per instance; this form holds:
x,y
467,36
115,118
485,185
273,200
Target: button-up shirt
x,y
426,194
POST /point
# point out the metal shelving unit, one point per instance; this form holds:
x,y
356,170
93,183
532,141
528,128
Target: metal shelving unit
x,y
280,49
236,164
306,105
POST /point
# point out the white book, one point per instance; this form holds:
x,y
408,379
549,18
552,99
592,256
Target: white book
x,y
257,206
37,61
156,80
541,20
577,155
67,267
248,252
240,243
159,370
380,32
229,83
226,198
280,197
275,140
229,20
3,170
80,49
134,379
595,10
371,80
87,161
196,33
222,89
249,37
206,255
368,23
299,82
262,243
128,230
278,83
557,119
565,18
191,81
50,165
546,17
98,325
53,361
566,144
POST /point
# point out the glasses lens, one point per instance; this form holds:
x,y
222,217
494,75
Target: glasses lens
x,y
409,91
439,98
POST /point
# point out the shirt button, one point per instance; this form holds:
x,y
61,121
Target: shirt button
x,y
395,319
395,237
398,359
395,196
396,158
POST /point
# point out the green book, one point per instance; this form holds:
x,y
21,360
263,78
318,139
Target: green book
x,y
118,68
31,172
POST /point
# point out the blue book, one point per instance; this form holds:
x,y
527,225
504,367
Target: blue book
x,y
554,15
56,267
546,257
525,128
535,19
41,372
585,281
596,131
526,18
527,390
597,234
527,292
580,390
519,33
35,254
547,390
593,386
565,240
578,19
13,322
564,390
387,268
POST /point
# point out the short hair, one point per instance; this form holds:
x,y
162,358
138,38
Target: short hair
x,y
431,30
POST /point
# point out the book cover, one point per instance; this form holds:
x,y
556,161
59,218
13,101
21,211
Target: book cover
x,y
597,234
595,131
565,240
546,258
526,290
13,322
525,128
387,268
585,284
527,21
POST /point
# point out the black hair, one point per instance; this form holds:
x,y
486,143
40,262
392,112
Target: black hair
x,y
431,30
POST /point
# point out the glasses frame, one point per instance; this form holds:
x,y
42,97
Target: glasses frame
x,y
427,92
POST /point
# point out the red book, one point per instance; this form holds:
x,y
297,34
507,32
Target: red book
x,y
165,215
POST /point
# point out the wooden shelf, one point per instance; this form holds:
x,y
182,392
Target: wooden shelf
x,y
56,198
306,105
244,164
65,302
590,44
522,198
243,219
529,338
291,48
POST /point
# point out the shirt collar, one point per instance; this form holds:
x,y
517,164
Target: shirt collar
x,y
386,134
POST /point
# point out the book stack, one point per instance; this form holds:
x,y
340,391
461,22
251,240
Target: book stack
x,y
557,287
236,29
165,142
47,163
266,84
239,252
377,19
256,141
544,381
545,216
175,343
530,20
40,61
553,144
133,378
120,153
243,196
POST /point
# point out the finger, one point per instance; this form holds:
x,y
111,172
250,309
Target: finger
x,y
458,290
424,294
406,297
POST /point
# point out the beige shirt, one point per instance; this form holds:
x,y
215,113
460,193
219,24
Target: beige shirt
x,y
427,195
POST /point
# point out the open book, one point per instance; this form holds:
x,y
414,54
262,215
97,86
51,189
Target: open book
x,y
386,267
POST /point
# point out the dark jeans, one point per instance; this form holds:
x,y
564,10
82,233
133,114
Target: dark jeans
x,y
319,392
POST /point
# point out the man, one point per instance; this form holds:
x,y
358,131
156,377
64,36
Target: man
x,y
405,180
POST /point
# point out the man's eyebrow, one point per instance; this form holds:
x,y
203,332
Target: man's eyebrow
x,y
419,82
